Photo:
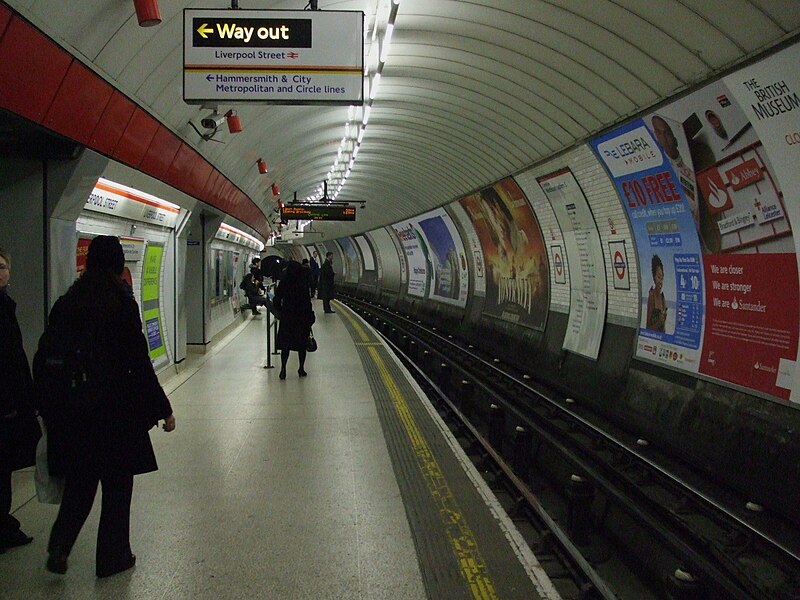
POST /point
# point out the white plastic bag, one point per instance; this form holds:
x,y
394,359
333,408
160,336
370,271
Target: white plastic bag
x,y
48,489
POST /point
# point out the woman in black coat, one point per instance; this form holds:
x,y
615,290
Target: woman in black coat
x,y
19,428
293,304
98,424
326,287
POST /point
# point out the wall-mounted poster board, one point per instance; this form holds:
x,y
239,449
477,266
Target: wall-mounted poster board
x,y
709,203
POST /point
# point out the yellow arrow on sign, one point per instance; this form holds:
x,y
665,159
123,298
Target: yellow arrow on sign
x,y
204,29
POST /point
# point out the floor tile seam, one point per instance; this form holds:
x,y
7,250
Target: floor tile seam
x,y
183,378
238,454
357,515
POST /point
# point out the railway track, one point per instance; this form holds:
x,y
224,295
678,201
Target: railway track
x,y
604,512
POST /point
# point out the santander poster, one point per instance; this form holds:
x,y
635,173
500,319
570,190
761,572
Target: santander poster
x,y
769,94
710,185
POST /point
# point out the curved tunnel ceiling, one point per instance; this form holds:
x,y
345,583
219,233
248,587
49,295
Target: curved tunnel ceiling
x,y
472,91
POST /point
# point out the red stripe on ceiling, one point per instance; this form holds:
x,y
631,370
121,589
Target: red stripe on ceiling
x,y
181,166
160,153
136,139
113,121
31,70
208,189
219,190
42,82
79,104
226,196
5,18
241,205
199,176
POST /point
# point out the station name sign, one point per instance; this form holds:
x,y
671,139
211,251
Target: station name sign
x,y
273,56
317,212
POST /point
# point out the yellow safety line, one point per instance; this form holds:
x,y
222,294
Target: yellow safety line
x,y
461,537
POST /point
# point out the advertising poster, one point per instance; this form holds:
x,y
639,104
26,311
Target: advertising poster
x,y
587,305
475,250
366,252
769,94
714,208
352,262
369,272
82,251
447,261
416,251
388,259
517,276
670,261
151,293
745,236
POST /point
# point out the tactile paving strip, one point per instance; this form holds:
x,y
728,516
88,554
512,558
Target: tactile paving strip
x,y
461,549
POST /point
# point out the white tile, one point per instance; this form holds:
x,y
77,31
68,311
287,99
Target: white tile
x,y
267,489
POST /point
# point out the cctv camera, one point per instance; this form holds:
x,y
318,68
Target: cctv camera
x,y
212,121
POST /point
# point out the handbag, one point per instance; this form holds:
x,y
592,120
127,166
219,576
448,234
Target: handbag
x,y
49,490
311,343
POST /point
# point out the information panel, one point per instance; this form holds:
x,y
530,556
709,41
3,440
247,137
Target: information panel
x,y
321,212
273,56
587,310
151,308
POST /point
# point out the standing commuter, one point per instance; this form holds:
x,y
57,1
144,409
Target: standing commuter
x,y
19,428
326,277
98,404
307,270
293,303
314,273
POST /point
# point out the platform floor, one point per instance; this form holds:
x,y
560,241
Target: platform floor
x,y
303,488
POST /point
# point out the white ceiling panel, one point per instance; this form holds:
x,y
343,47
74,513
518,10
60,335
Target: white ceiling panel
x,y
472,91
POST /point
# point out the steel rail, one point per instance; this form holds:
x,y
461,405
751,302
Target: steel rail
x,y
679,546
566,544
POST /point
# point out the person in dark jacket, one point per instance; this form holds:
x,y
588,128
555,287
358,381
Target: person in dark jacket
x,y
254,289
293,303
314,264
326,283
98,427
309,281
19,428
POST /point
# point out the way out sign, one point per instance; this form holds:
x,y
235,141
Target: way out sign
x,y
273,56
